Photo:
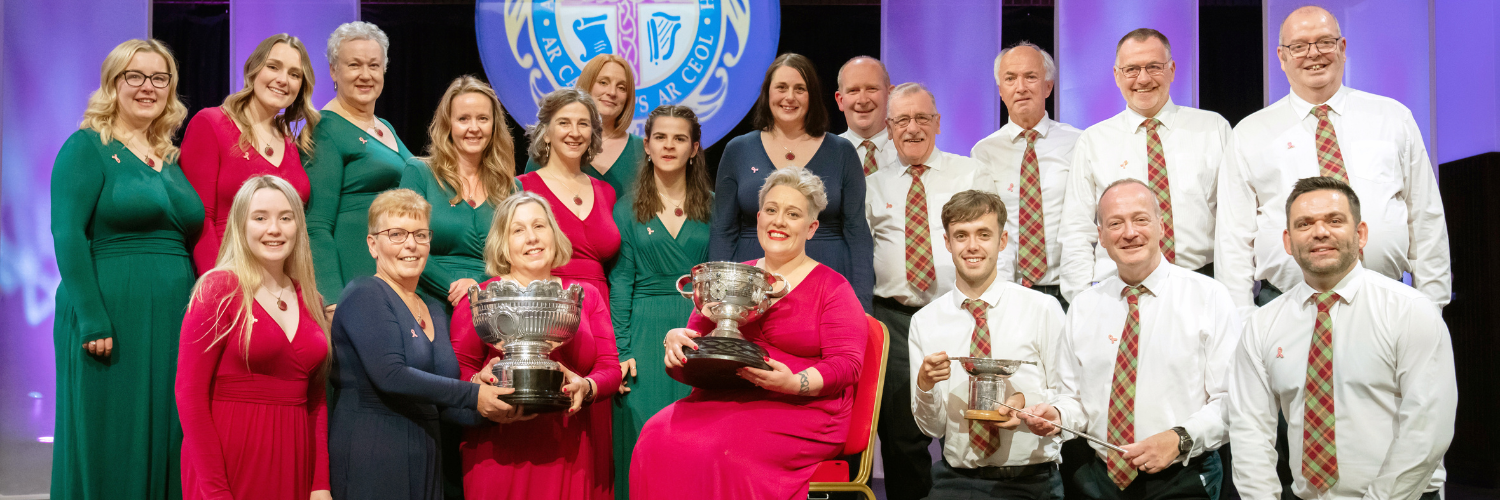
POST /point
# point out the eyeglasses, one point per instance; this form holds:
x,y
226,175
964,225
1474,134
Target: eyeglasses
x,y
921,119
135,79
398,235
1325,45
1153,69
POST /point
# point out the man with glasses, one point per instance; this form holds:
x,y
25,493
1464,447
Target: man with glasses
x,y
1326,129
1175,150
1027,160
904,208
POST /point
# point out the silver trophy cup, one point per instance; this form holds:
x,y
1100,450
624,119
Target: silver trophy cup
x,y
527,323
730,294
987,385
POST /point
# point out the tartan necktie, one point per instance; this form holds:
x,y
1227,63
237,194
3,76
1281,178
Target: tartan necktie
x,y
870,166
1033,237
1330,160
1320,463
920,270
1122,390
983,438
1156,173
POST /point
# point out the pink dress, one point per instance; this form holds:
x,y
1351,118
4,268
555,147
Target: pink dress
x,y
216,166
754,443
595,239
253,426
552,456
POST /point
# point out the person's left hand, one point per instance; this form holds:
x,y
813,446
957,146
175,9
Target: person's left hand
x,y
778,379
1154,454
1017,400
578,388
321,495
459,289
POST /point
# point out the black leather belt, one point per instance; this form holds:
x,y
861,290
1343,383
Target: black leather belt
x,y
895,305
1011,472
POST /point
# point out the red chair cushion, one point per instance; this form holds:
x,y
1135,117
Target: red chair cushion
x,y
832,471
864,395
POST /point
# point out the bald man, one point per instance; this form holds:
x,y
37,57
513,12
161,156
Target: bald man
x,y
864,87
1323,128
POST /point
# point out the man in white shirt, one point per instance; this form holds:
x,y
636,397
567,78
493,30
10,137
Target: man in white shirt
x,y
985,317
864,86
1360,364
901,205
1027,163
1144,364
1325,128
1176,150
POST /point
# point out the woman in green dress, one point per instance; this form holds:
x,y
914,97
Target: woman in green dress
x,y
358,157
470,167
123,215
608,79
664,229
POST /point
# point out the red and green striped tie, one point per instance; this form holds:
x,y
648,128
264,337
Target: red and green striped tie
x,y
982,437
870,166
1033,237
1156,172
1122,390
1320,461
920,270
1330,160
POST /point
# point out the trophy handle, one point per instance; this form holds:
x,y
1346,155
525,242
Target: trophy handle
x,y
777,293
680,281
474,300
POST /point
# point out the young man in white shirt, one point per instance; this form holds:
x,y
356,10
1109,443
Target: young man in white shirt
x,y
1144,364
988,317
864,86
1360,364
1324,128
1176,150
902,205
1027,161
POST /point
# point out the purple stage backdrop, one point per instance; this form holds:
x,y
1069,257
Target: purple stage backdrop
x,y
1468,76
52,52
251,21
1087,31
949,46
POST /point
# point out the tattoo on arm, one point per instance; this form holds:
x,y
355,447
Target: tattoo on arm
x,y
803,388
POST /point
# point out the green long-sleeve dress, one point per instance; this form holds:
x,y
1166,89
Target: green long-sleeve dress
x,y
458,234
123,233
645,304
348,169
622,172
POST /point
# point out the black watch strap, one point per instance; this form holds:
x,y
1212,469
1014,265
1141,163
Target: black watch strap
x,y
1184,441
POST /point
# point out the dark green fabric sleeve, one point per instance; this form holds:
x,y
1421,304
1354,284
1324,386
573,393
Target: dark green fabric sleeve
x,y
77,181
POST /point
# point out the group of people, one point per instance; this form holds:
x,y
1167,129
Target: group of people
x,y
280,308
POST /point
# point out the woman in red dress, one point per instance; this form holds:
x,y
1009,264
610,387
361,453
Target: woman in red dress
x,y
763,442
567,136
251,135
252,360
562,455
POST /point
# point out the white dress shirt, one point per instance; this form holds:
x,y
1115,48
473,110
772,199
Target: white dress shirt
x,y
1001,154
885,150
1387,166
885,208
1394,391
1189,330
1194,141
1024,325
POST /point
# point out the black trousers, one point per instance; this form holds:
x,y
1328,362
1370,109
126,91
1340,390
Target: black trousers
x,y
952,484
1055,291
1198,480
903,446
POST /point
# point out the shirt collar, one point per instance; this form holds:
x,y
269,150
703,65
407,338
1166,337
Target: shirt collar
x,y
934,161
1304,108
1013,131
1346,289
1165,116
879,139
1156,282
991,295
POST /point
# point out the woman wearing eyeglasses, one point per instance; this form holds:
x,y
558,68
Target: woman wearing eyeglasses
x,y
123,217
395,373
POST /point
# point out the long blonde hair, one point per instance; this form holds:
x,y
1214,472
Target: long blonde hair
x,y
497,164
235,257
301,108
104,106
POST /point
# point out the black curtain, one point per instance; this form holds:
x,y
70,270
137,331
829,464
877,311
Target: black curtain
x,y
198,34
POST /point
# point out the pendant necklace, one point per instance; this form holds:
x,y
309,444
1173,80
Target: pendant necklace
x,y
147,157
577,200
676,204
789,155
421,322
280,304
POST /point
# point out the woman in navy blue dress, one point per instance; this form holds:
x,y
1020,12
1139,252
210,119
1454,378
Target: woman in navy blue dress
x,y
396,375
791,122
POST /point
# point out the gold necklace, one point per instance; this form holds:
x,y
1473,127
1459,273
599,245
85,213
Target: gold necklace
x,y
577,200
421,322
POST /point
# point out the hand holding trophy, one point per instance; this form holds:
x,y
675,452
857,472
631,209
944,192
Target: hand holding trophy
x,y
730,294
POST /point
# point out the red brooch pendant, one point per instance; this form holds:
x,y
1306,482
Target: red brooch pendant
x,y
422,323
577,200
790,156
151,163
269,151
281,304
677,212
381,133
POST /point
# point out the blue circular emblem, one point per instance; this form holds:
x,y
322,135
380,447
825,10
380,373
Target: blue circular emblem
x,y
709,55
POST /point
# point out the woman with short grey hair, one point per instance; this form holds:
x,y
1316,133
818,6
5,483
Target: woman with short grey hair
x,y
358,157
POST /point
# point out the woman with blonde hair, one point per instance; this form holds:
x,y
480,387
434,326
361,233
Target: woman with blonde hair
x,y
608,79
564,455
251,135
123,219
469,169
254,357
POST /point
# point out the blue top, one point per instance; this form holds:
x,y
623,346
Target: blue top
x,y
842,241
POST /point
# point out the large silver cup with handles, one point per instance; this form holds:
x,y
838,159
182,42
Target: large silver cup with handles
x,y
731,294
527,323
987,385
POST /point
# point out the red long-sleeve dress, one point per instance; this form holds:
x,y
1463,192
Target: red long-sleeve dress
x,y
256,425
552,456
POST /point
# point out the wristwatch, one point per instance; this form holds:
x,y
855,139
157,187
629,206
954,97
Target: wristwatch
x,y
1184,441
